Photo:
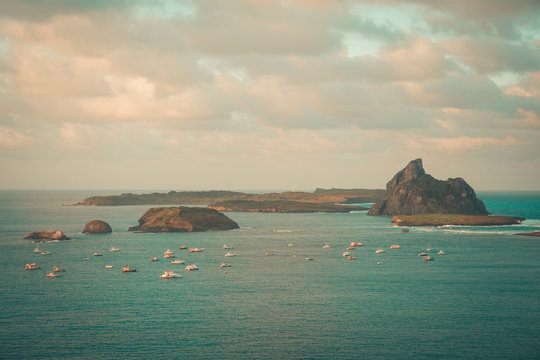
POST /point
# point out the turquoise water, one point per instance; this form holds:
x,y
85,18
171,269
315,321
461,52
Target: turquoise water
x,y
480,301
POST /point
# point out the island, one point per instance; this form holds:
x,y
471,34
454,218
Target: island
x,y
454,219
282,206
47,235
183,219
97,227
411,191
319,196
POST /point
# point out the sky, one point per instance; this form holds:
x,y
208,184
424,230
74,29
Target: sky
x,y
267,94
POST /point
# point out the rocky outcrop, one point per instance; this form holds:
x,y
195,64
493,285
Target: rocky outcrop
x,y
97,227
534,233
454,219
183,219
411,191
47,235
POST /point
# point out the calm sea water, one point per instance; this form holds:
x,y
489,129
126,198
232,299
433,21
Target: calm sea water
x,y
480,301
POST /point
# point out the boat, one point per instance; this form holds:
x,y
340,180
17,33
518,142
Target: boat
x,y
351,248
112,249
192,250
379,262
227,247
45,252
98,254
422,254
52,274
268,253
225,265
290,245
351,257
32,266
177,262
346,253
191,267
58,269
128,269
429,246
169,254
326,246
310,258
108,266
441,252
395,247
183,247
36,250
229,254
85,258
427,258
169,275
378,251
154,259
356,243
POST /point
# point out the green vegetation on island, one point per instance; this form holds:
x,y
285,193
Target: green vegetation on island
x,y
454,219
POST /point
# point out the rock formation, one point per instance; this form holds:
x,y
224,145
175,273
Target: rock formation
x,y
97,227
183,219
411,191
47,235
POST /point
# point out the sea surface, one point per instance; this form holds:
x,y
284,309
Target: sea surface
x,y
479,301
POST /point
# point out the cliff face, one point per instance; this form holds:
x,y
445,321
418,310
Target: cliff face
x,y
183,219
411,191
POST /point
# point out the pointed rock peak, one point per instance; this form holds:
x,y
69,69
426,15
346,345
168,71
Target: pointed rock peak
x,y
414,168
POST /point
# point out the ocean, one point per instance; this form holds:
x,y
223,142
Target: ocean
x,y
479,301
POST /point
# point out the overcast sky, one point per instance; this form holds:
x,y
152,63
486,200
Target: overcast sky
x,y
267,94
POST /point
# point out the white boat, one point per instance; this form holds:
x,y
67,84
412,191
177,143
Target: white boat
x,y
378,251
225,265
309,258
127,269
51,275
98,254
379,262
195,249
170,275
168,254
192,267
229,254
45,252
427,258
395,247
422,254
290,245
36,250
183,247
346,253
154,259
441,252
177,262
108,266
58,269
112,249
326,246
32,266
356,243
227,247
351,257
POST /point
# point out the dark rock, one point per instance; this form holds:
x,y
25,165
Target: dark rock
x,y
183,219
534,233
411,191
47,235
97,227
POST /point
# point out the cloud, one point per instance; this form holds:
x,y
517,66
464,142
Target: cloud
x,y
13,139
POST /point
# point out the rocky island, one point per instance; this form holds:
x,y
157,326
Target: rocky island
x,y
281,206
183,219
47,235
415,198
97,227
